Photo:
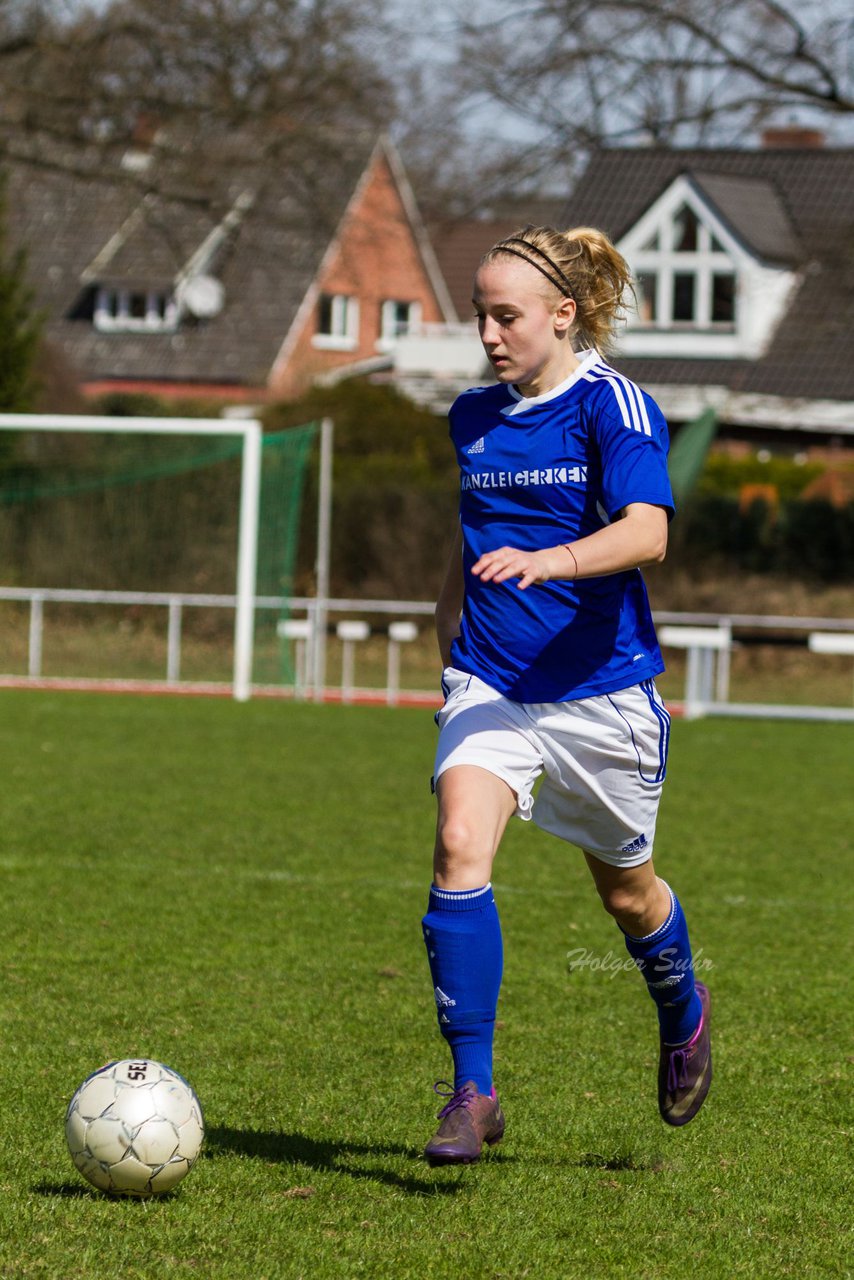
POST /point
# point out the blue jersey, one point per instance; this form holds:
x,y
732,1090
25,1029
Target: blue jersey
x,y
538,472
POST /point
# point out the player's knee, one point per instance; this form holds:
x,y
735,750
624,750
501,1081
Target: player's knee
x,y
625,903
616,901
456,838
459,840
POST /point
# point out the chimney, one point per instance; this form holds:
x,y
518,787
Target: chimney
x,y
140,153
792,136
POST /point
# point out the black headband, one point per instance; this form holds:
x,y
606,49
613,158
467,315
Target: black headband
x,y
565,288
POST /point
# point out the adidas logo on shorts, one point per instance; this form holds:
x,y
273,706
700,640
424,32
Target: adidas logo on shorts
x,y
636,845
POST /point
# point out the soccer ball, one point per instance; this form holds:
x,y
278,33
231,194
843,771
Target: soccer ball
x,y
134,1128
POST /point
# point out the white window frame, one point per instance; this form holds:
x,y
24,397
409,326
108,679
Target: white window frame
x,y
344,323
113,311
391,328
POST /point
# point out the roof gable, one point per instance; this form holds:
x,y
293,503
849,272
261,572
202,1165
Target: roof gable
x,y
746,215
655,221
151,245
701,291
369,233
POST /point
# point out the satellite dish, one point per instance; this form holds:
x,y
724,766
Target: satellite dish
x,y
203,296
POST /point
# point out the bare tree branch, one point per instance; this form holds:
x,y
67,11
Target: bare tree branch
x,y
224,82
660,71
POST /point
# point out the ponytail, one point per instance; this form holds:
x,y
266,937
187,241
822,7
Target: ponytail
x,y
581,264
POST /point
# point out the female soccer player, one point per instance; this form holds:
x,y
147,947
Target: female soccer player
x,y
550,659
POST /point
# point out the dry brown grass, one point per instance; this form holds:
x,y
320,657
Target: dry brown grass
x,y
684,591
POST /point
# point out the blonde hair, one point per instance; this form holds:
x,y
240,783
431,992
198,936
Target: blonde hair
x,y
581,264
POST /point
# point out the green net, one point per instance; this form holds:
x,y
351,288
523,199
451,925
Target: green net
x,y
152,513
285,456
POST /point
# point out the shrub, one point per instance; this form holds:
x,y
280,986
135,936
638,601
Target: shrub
x,y
725,476
395,490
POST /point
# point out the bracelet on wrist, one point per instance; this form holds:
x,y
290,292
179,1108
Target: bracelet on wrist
x,y
574,561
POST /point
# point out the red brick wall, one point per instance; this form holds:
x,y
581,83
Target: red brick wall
x,y
376,259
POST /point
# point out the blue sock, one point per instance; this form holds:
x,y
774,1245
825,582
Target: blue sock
x,y
463,937
664,959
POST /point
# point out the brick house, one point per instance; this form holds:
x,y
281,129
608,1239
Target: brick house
x,y
242,288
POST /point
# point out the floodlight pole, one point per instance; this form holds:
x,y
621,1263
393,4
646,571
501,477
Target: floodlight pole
x,y
247,560
324,543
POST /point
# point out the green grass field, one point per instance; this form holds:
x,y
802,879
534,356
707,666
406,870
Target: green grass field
x,y
237,890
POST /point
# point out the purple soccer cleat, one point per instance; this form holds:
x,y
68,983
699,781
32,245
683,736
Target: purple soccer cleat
x,y
468,1120
685,1070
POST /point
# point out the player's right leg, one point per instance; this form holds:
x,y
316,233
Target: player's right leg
x,y
462,934
486,764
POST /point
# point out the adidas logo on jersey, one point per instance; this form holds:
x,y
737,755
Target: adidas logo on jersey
x,y
478,446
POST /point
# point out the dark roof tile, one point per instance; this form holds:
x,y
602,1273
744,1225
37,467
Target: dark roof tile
x,y
816,186
753,209
459,249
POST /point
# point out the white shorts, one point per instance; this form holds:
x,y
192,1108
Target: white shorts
x,y
603,760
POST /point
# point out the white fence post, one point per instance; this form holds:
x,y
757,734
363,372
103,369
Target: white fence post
x,y
34,664
173,641
350,633
398,633
300,631
724,659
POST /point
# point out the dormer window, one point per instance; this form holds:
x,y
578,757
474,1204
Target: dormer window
x,y
134,310
685,279
710,260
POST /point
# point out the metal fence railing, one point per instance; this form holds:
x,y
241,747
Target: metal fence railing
x,y
708,641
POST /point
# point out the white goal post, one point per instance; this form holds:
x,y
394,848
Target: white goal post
x,y
247,429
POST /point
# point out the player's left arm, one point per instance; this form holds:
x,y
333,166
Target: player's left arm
x,y
637,538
